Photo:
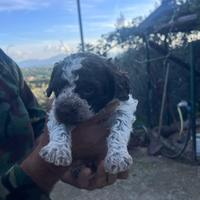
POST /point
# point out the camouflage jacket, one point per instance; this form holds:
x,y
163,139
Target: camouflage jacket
x,y
22,121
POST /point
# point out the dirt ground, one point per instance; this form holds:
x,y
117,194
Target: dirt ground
x,y
151,178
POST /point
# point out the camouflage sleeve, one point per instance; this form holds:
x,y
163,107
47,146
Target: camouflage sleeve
x,y
36,113
16,185
13,85
22,119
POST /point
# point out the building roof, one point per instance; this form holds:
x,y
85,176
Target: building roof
x,y
168,17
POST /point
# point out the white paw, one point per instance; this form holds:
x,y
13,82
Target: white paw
x,y
57,154
116,162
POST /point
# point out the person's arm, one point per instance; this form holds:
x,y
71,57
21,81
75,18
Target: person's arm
x,y
22,119
88,142
35,178
17,185
35,112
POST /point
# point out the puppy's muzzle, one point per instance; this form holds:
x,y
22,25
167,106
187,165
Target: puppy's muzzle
x,y
70,109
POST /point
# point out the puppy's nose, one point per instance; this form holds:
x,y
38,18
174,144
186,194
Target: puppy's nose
x,y
71,110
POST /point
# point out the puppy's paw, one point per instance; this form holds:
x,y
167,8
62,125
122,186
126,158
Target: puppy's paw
x,y
57,154
116,162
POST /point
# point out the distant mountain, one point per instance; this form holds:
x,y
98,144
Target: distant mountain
x,y
41,62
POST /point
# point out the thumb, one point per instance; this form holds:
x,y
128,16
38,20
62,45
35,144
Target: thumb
x,y
105,113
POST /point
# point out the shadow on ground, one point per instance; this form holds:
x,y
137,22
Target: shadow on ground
x,y
151,178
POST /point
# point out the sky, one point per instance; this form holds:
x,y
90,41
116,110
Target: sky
x,y
38,29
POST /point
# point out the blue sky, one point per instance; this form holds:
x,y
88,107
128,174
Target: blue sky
x,y
44,28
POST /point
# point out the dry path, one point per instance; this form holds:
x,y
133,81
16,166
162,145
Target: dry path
x,y
151,178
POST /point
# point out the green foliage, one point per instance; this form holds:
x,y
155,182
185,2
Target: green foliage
x,y
38,78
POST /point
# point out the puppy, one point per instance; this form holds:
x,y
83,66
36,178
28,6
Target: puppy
x,y
83,84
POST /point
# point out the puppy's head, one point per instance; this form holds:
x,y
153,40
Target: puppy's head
x,y
93,78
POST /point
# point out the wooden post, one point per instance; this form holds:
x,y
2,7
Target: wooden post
x,y
193,99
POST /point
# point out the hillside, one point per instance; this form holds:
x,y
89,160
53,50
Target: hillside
x,y
37,79
49,62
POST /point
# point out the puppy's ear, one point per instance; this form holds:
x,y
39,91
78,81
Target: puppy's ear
x,y
122,86
56,82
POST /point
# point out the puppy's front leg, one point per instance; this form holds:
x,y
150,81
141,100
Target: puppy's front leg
x,y
118,158
58,150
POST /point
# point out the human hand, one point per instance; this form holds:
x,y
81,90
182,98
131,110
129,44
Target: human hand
x,y
89,138
89,180
89,141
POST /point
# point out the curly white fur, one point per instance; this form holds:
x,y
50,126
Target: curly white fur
x,y
58,150
118,158
71,65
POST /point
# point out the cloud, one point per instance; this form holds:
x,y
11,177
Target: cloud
x,y
59,47
96,21
39,50
13,5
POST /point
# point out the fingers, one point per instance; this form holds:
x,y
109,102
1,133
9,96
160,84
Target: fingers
x,y
101,178
89,180
68,178
82,181
112,105
123,175
111,178
108,110
105,113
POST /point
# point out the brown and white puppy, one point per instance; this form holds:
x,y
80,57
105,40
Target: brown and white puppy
x,y
83,84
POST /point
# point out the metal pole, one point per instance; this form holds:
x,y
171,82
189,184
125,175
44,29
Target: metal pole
x,y
193,99
149,92
80,25
163,98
